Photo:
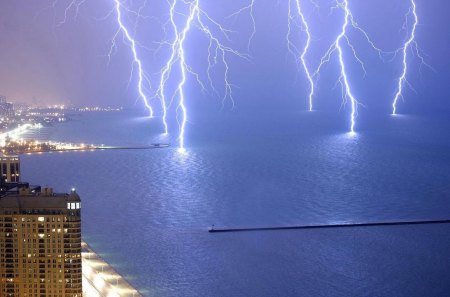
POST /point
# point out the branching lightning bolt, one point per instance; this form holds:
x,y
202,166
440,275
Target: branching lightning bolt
x,y
250,8
343,79
73,4
411,45
196,17
132,43
216,50
337,45
295,51
194,9
136,60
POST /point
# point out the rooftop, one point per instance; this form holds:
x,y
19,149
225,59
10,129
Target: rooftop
x,y
26,200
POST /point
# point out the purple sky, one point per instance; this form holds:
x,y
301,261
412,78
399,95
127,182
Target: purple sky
x,y
45,62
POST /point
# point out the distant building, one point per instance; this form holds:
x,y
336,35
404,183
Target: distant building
x,y
10,169
40,242
6,108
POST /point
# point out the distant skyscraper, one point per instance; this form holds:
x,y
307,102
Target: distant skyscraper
x,y
10,169
6,109
40,243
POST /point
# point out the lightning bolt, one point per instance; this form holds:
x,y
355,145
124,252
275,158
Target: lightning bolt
x,y
343,78
136,59
337,46
196,17
74,4
194,9
295,51
412,45
250,8
132,43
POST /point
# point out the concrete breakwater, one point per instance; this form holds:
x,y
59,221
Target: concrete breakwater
x,y
213,229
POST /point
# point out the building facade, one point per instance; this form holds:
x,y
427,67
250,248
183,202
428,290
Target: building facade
x,y
6,108
40,244
10,169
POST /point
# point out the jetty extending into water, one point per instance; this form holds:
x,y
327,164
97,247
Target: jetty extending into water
x,y
213,229
100,279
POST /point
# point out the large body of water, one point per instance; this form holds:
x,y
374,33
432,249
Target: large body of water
x,y
147,211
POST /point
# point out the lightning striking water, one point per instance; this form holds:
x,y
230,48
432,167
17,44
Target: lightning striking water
x,y
195,17
216,51
295,51
343,78
409,44
136,60
194,9
337,45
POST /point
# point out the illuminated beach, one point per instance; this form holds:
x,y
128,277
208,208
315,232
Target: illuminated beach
x,y
100,279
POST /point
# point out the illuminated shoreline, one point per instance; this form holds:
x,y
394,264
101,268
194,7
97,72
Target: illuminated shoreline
x,y
100,279
15,133
18,146
96,148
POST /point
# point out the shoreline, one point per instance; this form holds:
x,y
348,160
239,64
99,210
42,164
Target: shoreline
x,y
91,149
101,279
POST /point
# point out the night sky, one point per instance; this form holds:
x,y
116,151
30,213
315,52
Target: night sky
x,y
46,62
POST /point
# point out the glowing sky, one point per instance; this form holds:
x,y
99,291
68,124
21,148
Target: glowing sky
x,y
45,62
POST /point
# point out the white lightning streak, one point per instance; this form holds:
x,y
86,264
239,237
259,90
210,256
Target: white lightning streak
x,y
216,50
73,3
337,46
168,68
295,51
408,44
250,8
194,9
343,78
136,60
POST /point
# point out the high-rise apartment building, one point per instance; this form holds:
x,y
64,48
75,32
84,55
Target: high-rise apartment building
x,y
40,243
10,169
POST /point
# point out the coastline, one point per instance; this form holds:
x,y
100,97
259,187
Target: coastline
x,y
101,279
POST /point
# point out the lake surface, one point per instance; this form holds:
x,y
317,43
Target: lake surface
x,y
146,212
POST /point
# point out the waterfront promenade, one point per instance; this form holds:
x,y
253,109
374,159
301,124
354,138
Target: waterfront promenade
x,y
100,279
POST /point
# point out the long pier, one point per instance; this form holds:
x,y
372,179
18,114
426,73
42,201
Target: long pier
x,y
213,229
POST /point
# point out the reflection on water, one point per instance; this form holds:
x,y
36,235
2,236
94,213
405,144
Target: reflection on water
x,y
147,211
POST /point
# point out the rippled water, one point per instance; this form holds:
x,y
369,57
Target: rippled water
x,y
147,211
